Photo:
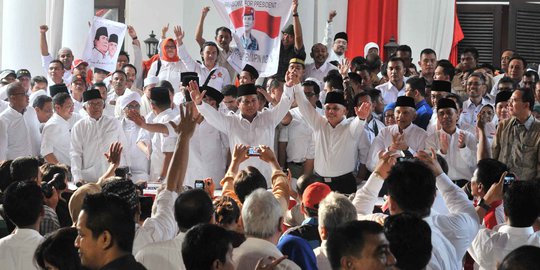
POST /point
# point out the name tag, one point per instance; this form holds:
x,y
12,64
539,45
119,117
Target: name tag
x,y
327,180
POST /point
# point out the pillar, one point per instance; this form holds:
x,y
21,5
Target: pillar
x,y
75,28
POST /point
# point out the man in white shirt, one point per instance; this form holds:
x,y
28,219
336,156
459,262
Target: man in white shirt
x,y
412,188
77,88
19,126
521,206
262,231
149,83
119,87
162,145
91,137
458,147
23,205
249,126
64,55
404,136
476,89
55,72
396,84
54,145
335,134
320,66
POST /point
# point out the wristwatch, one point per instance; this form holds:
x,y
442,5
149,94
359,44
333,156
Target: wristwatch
x,y
482,203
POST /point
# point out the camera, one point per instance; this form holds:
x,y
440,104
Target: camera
x,y
253,151
199,184
123,172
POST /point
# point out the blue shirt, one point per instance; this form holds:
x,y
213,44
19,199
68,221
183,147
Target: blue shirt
x,y
423,114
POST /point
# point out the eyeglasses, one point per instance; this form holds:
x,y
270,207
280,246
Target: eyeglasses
x,y
20,94
133,107
309,94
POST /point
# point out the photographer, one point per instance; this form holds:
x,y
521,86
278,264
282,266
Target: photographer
x,y
57,176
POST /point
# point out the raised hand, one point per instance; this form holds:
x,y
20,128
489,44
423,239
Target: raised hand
x,y
136,117
195,93
386,161
131,32
295,6
114,154
430,159
344,67
398,142
495,192
164,31
331,15
267,154
204,11
187,124
240,153
363,111
179,34
43,29
292,78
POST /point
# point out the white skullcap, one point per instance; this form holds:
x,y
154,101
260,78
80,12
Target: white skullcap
x,y
369,46
128,98
150,80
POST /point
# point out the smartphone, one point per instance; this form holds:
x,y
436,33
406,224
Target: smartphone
x,y
199,184
508,180
409,159
253,151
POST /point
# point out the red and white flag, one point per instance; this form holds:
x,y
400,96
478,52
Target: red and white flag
x,y
256,28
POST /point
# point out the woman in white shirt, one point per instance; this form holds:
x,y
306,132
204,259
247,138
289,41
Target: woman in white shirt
x,y
170,67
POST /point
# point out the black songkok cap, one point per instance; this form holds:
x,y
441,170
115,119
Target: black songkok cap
x,y
58,88
442,86
247,89
335,97
91,94
404,101
446,103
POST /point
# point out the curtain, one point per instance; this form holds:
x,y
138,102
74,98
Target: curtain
x,y
371,21
427,24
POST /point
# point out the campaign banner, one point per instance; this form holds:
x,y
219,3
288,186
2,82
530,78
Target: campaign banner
x,y
256,26
103,43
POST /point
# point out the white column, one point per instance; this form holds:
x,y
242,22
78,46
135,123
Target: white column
x,y
77,14
20,34
54,17
1,11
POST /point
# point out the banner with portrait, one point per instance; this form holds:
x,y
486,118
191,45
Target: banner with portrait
x,y
103,43
256,27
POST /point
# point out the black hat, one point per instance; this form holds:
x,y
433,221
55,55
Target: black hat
x,y
247,89
446,103
23,73
442,86
503,96
91,94
102,31
404,101
335,97
186,77
341,35
160,95
289,30
213,93
113,38
58,88
251,70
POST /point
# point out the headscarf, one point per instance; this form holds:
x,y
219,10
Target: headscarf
x,y
369,46
164,52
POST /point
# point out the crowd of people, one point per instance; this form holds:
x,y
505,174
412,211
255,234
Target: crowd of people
x,y
340,163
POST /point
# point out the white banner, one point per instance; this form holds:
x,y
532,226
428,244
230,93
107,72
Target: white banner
x,y
256,26
103,43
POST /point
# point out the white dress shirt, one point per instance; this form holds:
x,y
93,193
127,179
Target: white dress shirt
x,y
299,138
414,137
46,61
470,111
322,257
461,161
18,249
207,153
260,131
489,247
389,92
19,133
169,71
223,60
140,165
161,144
90,139
166,255
335,147
245,256
220,77
161,226
451,234
77,105
3,105
54,137
112,96
318,73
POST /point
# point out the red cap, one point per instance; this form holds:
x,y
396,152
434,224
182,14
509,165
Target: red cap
x,y
249,11
314,194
